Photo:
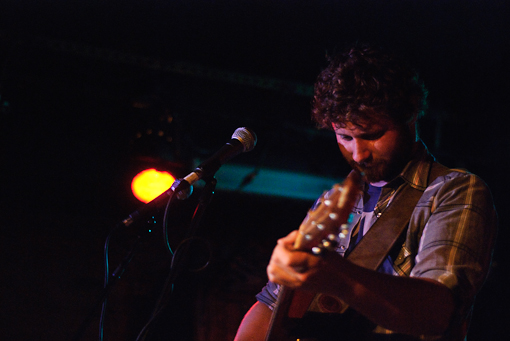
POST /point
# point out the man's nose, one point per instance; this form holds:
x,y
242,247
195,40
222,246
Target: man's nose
x,y
360,151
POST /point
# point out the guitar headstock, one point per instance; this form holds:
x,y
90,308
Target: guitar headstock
x,y
327,222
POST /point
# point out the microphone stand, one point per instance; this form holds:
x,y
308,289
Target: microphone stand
x,y
110,281
182,190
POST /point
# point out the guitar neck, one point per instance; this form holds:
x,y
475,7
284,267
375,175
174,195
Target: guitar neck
x,y
277,330
328,218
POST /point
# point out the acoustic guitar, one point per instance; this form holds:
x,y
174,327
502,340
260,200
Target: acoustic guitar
x,y
325,224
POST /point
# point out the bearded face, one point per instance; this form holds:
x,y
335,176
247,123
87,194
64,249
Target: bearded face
x,y
379,151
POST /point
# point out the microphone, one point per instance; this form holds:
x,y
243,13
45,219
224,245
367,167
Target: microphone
x,y
243,140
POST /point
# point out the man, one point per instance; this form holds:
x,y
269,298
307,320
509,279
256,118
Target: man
x,y
425,287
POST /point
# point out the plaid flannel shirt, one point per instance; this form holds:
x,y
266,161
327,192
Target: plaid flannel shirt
x,y
449,239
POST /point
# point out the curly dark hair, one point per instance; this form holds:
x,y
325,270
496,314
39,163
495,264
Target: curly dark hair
x,y
366,84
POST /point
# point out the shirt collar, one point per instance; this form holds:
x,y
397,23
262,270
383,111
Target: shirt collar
x,y
417,170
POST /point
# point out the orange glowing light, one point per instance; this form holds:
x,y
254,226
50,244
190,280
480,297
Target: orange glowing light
x,y
150,183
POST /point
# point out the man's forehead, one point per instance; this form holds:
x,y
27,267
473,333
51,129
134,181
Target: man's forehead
x,y
365,127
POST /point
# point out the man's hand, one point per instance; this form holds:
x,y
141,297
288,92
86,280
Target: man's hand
x,y
403,304
299,269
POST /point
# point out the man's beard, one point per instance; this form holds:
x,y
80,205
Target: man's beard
x,y
385,169
381,170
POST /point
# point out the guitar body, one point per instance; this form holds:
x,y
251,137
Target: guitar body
x,y
319,232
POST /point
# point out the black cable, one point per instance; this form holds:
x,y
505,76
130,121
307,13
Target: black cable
x,y
167,290
102,301
175,267
165,227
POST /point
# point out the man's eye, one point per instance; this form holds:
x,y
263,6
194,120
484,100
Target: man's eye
x,y
345,137
374,136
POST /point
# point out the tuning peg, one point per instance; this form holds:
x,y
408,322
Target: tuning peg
x,y
328,244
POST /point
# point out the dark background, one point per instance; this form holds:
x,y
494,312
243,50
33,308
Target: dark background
x,y
85,86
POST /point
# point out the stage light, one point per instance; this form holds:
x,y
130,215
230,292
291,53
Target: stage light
x,y
150,183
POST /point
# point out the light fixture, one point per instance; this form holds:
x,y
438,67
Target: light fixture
x,y
150,183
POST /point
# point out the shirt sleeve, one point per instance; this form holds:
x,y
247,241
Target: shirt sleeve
x,y
268,295
455,247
